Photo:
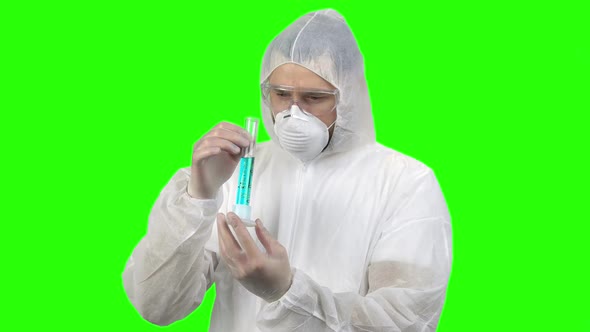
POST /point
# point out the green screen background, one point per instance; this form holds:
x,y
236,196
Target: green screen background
x,y
101,103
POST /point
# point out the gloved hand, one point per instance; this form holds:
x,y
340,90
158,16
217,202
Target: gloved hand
x,y
215,157
265,274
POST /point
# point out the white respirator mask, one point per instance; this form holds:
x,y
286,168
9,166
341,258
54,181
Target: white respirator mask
x,y
301,134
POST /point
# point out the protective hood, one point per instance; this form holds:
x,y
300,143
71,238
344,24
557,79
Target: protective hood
x,y
323,43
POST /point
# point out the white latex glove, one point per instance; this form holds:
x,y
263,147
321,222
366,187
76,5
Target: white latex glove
x,y
215,157
265,274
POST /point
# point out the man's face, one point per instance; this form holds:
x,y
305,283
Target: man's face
x,y
290,74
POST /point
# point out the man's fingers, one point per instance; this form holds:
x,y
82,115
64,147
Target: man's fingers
x,y
240,138
264,237
221,247
243,235
234,128
231,246
223,144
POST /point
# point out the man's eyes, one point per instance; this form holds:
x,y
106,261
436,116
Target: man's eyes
x,y
312,97
282,93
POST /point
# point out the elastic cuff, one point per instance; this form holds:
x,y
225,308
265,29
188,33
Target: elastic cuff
x,y
300,294
208,207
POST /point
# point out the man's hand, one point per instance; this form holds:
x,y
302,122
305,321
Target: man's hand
x,y
215,157
265,274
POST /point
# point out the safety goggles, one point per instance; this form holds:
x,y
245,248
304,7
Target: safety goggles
x,y
314,101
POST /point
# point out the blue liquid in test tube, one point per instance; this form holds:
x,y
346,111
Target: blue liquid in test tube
x,y
245,181
242,207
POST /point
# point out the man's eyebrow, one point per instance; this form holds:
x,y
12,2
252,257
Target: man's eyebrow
x,y
281,88
305,89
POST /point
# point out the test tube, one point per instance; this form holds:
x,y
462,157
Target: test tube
x,y
242,207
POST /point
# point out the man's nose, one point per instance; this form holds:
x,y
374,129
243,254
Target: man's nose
x,y
295,102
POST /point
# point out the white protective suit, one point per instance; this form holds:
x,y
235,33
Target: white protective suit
x,y
366,228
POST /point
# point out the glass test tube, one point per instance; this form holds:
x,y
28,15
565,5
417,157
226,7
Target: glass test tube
x,y
242,207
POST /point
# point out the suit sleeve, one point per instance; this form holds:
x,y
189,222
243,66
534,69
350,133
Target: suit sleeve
x,y
170,270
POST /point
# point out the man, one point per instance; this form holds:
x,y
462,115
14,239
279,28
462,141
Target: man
x,y
350,236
